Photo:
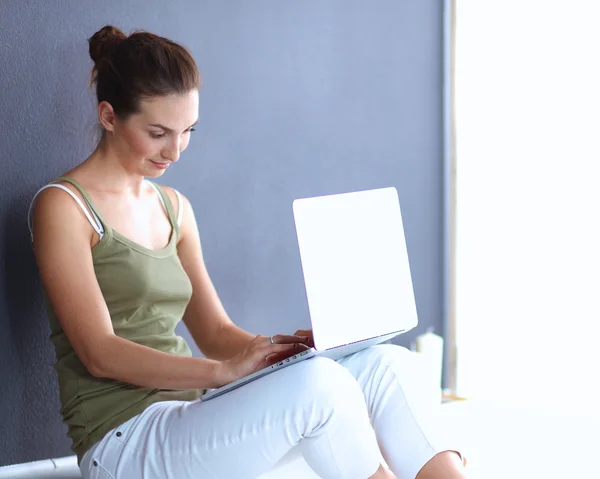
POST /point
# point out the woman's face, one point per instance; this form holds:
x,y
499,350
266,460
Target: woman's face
x,y
150,140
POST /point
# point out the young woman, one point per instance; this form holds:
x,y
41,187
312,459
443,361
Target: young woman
x,y
121,264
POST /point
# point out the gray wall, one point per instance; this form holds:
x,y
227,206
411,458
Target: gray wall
x,y
300,98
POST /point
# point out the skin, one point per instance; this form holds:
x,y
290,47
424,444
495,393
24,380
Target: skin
x,y
132,148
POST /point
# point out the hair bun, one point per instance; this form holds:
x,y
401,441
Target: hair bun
x,y
104,41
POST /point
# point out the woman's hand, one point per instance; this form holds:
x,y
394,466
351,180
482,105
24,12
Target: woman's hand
x,y
259,354
309,334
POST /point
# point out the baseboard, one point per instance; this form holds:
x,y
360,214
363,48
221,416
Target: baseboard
x,y
60,468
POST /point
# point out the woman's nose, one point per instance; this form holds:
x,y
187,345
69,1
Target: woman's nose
x,y
172,152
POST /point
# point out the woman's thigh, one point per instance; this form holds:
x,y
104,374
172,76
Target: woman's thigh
x,y
315,404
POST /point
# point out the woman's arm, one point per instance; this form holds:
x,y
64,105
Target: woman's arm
x,y
62,239
205,317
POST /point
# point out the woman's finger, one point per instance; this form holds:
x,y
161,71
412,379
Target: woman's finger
x,y
303,332
295,348
281,356
288,338
308,333
267,349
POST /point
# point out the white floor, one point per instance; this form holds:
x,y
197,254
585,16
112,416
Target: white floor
x,y
525,442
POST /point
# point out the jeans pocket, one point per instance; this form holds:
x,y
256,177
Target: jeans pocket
x,y
101,461
99,471
119,452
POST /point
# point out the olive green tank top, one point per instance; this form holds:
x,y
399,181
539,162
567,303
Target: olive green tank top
x,y
146,292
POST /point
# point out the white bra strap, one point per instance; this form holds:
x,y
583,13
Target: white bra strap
x,y
179,203
179,208
97,225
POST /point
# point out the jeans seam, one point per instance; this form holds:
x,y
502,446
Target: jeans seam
x,y
104,469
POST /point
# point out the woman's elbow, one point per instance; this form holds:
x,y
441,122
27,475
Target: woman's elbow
x,y
95,361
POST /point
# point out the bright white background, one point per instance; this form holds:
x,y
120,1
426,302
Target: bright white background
x,y
528,200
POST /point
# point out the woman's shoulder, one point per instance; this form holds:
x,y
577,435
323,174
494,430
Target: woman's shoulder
x,y
175,197
58,194
170,191
60,201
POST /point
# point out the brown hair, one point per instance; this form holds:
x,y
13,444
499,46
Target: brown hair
x,y
141,65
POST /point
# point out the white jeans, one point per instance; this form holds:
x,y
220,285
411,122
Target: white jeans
x,y
340,415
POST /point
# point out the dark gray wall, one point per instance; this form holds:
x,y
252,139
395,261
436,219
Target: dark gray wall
x,y
300,98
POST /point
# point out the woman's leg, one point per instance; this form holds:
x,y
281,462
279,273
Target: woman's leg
x,y
403,421
444,465
315,404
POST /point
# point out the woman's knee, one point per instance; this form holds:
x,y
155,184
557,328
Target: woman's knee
x,y
326,383
332,400
411,369
404,363
391,365
388,353
326,376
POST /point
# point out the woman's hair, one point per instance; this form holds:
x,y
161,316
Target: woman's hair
x,y
141,65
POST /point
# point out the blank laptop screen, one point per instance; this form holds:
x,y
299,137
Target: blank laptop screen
x,y
355,266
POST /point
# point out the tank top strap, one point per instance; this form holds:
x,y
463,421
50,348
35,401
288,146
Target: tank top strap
x,y
86,196
166,201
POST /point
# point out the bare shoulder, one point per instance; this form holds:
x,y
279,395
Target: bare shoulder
x,y
170,191
172,194
57,202
54,206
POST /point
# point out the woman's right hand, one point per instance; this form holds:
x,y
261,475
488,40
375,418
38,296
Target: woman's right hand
x,y
259,354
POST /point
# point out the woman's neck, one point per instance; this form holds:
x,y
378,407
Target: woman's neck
x,y
104,171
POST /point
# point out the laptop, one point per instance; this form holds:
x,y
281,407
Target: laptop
x,y
356,275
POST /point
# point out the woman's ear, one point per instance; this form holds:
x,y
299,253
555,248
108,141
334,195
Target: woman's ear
x,y
106,116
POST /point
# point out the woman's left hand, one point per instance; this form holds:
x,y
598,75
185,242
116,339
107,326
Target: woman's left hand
x,y
308,344
309,334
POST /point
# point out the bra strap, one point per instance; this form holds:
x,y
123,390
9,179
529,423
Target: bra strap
x,y
95,221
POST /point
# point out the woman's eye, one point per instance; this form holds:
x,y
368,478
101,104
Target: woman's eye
x,y
160,135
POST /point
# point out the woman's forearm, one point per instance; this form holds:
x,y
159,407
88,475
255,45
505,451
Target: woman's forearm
x,y
228,341
126,361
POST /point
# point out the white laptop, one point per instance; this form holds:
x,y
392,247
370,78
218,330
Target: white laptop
x,y
356,274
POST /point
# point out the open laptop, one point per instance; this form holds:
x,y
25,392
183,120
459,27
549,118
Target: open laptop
x,y
356,274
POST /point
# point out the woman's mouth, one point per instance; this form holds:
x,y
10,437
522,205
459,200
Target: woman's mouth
x,y
162,165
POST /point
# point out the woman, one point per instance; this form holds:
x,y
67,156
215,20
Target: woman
x,y
121,264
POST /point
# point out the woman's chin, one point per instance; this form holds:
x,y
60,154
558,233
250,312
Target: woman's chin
x,y
153,173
